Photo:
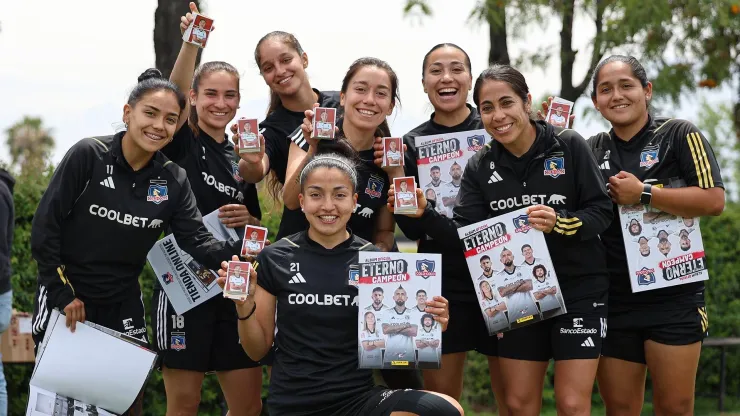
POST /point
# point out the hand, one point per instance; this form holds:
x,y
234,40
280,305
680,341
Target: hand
x,y
624,188
249,157
392,171
439,307
420,199
75,312
247,303
236,216
542,218
546,107
186,20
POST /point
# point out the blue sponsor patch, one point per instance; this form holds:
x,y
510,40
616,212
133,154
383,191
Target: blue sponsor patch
x,y
554,167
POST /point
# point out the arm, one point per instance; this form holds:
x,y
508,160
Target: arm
x,y
393,329
593,212
6,217
689,202
256,334
421,344
526,286
297,159
385,226
193,237
69,181
410,331
182,75
254,172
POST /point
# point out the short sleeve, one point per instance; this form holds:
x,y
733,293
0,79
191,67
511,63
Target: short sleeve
x,y
696,158
264,268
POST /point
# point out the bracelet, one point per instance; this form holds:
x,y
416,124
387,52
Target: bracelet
x,y
250,313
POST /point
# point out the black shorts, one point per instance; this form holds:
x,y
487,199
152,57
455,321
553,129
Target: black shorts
x,y
628,330
126,317
577,334
383,402
203,339
467,331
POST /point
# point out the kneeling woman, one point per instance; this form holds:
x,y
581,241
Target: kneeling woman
x,y
315,370
574,209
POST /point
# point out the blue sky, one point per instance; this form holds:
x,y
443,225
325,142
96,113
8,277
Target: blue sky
x,y
73,64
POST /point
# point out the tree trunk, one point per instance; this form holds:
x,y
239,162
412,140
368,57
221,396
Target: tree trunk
x,y
499,53
736,115
569,90
167,37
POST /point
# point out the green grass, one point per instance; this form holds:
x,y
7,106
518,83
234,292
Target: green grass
x,y
703,406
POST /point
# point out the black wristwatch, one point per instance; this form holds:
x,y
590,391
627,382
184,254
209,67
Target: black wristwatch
x,y
647,194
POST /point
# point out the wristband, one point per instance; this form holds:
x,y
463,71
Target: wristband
x,y
250,313
647,194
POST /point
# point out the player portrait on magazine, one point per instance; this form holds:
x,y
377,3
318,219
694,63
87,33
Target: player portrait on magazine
x,y
248,135
428,340
372,342
393,151
254,240
237,280
201,28
405,189
493,307
324,120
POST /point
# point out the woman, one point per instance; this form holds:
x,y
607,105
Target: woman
x,y
659,329
522,154
372,341
282,63
315,367
202,148
447,78
369,87
107,204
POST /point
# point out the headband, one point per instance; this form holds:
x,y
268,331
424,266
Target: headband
x,y
318,159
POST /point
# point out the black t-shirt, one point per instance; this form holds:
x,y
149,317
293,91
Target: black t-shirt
x,y
213,172
277,128
372,194
664,149
457,283
315,368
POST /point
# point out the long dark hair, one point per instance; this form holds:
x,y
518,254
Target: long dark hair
x,y
383,130
503,73
288,39
207,69
152,80
638,71
445,45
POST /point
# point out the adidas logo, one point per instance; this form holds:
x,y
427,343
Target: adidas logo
x,y
108,182
495,177
297,279
588,343
605,165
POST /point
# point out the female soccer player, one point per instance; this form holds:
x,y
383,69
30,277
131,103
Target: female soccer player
x,y
282,63
204,151
372,341
109,200
316,357
394,154
522,154
659,329
447,78
368,95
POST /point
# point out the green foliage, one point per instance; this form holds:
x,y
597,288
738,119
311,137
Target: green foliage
x,y
29,143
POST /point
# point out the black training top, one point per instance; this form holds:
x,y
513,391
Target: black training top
x,y
99,218
213,172
315,368
278,128
558,171
457,284
664,149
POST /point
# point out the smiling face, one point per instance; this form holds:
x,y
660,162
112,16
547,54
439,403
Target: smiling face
x,y
328,200
620,97
254,235
368,98
447,79
504,114
282,67
421,300
528,254
152,121
216,99
392,145
404,186
485,288
370,321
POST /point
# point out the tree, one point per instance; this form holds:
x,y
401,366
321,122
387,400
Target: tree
x,y
167,37
29,142
643,28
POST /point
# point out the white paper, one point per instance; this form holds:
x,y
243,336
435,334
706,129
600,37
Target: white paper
x,y
391,271
46,403
509,239
89,366
662,250
185,281
25,325
450,153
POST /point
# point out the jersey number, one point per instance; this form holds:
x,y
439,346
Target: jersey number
x,y
295,267
178,321
109,169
